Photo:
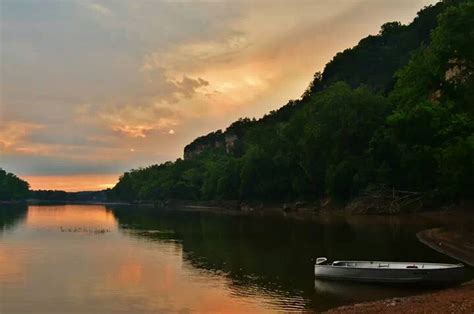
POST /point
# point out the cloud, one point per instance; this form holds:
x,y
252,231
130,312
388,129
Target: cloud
x,y
186,55
96,8
13,135
84,81
139,121
156,113
187,87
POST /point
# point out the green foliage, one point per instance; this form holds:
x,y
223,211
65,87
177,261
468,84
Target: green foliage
x,y
281,161
337,127
456,169
340,180
375,59
427,138
396,110
12,187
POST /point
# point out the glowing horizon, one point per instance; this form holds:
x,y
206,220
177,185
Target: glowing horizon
x,y
72,183
91,89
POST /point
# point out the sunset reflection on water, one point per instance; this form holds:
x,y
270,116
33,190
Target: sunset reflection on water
x,y
93,258
56,271
70,216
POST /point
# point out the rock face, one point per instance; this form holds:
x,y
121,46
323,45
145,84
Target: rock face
x,y
230,140
212,140
457,71
203,143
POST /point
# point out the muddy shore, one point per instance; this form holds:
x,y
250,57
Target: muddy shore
x,y
457,243
453,300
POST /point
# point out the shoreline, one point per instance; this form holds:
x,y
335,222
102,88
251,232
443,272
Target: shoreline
x,y
54,202
375,203
448,235
451,300
456,243
441,216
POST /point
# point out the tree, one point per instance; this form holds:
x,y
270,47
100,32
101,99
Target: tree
x,y
428,134
12,187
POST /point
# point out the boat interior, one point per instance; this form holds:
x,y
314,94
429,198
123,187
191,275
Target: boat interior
x,y
391,265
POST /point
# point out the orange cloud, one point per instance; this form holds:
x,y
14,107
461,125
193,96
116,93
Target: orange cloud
x,y
153,77
13,137
264,64
138,121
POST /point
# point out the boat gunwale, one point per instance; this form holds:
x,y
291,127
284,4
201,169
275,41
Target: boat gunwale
x,y
447,266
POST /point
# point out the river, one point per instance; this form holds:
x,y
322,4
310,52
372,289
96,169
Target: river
x,y
105,259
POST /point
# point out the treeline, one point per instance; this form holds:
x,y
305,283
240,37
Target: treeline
x,y
12,188
63,196
395,111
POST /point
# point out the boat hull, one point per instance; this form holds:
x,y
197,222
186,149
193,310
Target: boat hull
x,y
391,276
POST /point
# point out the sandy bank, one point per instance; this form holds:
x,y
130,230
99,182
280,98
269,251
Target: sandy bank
x,y
453,300
457,243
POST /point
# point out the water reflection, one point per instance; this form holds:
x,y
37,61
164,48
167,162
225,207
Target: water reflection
x,y
157,260
275,257
11,215
11,259
70,216
43,269
347,292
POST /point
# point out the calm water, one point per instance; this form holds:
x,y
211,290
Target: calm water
x,y
90,258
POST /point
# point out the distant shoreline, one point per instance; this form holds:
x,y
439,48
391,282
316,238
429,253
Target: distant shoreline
x,y
359,206
60,202
13,202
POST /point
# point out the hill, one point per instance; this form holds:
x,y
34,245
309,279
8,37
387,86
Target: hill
x,y
394,112
372,63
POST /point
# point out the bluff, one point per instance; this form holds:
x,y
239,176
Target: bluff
x,y
393,113
371,63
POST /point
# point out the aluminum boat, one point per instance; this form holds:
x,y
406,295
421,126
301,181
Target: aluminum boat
x,y
389,272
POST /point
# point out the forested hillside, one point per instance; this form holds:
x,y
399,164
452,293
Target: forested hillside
x,y
395,111
12,187
372,63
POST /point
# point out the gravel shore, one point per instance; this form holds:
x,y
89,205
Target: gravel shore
x,y
452,300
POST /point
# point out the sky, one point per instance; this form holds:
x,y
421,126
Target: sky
x,y
90,89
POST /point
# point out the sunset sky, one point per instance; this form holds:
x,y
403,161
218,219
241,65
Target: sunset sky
x,y
90,89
